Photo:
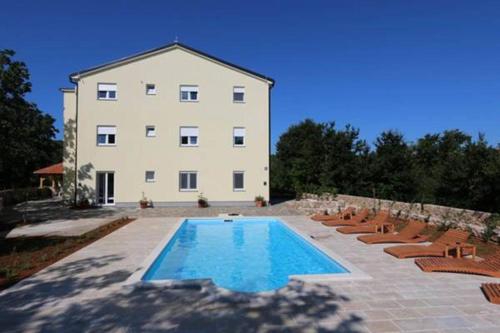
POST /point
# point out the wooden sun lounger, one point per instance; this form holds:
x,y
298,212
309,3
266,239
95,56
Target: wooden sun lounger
x,y
369,227
492,292
437,249
490,266
355,220
345,214
409,234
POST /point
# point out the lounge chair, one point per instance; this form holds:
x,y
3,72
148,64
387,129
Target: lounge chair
x,y
368,227
345,214
436,249
409,234
490,266
492,292
355,220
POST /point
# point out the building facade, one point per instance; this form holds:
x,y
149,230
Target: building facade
x,y
169,125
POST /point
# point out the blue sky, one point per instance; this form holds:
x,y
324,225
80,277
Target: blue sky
x,y
415,66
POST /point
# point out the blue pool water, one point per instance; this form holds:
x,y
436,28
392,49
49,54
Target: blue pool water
x,y
248,255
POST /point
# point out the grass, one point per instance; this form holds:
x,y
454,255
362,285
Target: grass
x,y
23,257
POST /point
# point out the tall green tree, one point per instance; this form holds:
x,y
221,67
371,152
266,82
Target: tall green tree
x,y
483,175
299,157
428,169
452,174
393,173
448,168
345,159
26,134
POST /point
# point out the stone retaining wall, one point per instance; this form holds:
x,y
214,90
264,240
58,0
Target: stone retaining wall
x,y
433,214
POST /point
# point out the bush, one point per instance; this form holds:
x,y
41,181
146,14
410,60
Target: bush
x,y
491,224
15,196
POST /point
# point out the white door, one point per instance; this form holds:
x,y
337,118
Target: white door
x,y
105,188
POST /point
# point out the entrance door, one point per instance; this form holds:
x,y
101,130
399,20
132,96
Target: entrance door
x,y
105,188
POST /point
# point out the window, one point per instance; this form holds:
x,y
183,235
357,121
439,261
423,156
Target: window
x,y
150,176
189,93
239,136
150,89
150,131
189,136
239,94
188,181
238,181
106,135
106,91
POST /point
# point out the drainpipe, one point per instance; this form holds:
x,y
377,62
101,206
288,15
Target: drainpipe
x,y
75,198
269,145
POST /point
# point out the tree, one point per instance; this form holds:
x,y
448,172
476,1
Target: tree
x,y
446,168
26,134
483,175
345,160
299,157
427,167
452,170
392,169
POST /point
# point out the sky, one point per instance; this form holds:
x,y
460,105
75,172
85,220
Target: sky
x,y
415,66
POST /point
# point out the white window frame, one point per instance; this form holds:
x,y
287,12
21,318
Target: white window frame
x,y
189,89
239,89
234,181
107,200
150,180
148,127
150,92
107,88
239,131
190,130
106,130
188,189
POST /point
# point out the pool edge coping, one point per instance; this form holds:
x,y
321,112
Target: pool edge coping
x,y
354,272
136,277
135,280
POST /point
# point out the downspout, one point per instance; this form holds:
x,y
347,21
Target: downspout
x,y
269,141
75,198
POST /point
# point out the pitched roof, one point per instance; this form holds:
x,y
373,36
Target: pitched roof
x,y
56,169
77,75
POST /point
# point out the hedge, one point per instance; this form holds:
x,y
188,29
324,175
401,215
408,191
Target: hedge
x,y
15,196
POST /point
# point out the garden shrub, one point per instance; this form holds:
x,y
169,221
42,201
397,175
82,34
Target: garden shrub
x,y
15,196
492,223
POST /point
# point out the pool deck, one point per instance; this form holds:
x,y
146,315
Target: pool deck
x,y
87,291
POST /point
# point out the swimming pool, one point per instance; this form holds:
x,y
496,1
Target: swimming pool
x,y
248,255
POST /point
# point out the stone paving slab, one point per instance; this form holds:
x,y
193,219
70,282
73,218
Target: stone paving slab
x,y
86,292
65,228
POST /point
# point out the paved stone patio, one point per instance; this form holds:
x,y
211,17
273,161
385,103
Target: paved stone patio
x,y
65,228
86,292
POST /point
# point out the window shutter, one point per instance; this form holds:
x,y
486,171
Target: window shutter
x,y
106,130
107,86
189,131
189,88
239,131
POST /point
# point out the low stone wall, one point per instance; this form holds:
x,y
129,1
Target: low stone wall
x,y
433,214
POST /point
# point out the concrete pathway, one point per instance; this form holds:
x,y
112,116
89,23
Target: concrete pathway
x,y
51,209
86,292
59,228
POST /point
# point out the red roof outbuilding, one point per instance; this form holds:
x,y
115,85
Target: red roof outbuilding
x,y
56,169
